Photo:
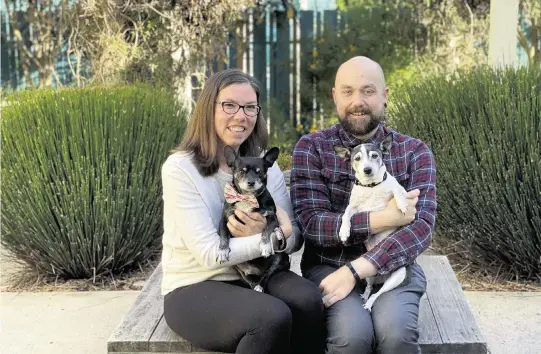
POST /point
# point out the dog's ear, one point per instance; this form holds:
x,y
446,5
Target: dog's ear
x,y
387,143
230,155
342,151
271,156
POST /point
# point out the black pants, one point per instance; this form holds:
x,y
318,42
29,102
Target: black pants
x,y
229,317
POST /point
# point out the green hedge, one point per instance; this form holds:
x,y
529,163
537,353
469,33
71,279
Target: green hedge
x,y
81,188
484,129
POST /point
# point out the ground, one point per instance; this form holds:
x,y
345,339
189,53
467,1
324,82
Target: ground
x,y
15,278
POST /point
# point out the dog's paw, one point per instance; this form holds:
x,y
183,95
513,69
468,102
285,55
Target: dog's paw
x,y
344,232
402,204
365,296
279,233
266,249
258,288
223,255
368,306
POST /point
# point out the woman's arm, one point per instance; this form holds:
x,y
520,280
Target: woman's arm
x,y
188,222
284,221
277,187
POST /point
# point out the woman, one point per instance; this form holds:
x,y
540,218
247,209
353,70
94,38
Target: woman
x,y
204,301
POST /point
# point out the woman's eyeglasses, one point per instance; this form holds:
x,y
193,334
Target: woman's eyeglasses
x,y
231,108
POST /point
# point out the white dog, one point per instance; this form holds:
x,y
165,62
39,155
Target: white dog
x,y
371,192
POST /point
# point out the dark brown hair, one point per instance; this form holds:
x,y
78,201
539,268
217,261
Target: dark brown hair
x,y
200,136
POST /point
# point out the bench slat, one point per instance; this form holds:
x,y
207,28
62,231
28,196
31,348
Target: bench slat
x,y
165,340
455,321
136,328
429,334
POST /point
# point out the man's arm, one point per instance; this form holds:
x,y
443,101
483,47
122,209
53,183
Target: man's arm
x,y
403,245
311,201
406,243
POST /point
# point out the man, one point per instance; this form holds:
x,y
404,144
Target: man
x,y
321,184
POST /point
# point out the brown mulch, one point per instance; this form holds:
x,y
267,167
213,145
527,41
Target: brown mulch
x,y
476,278
26,281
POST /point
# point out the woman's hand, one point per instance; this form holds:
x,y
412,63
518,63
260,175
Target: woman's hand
x,y
254,223
284,222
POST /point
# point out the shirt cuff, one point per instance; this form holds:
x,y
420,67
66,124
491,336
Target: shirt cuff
x,y
376,260
384,262
360,226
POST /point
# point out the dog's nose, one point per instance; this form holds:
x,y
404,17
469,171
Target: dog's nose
x,y
367,170
251,183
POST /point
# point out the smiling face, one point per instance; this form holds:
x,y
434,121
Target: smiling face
x,y
360,95
234,128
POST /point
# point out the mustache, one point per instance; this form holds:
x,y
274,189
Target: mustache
x,y
361,110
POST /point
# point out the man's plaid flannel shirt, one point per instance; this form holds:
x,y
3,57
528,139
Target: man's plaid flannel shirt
x,y
321,184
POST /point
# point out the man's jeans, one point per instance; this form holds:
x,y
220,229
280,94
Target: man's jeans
x,y
391,328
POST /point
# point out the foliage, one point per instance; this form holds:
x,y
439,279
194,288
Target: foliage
x,y
530,39
157,40
483,128
453,36
38,29
81,193
282,133
284,160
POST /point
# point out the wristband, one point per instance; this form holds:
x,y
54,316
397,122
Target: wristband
x,y
355,274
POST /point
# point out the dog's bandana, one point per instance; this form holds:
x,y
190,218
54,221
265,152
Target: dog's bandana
x,y
246,202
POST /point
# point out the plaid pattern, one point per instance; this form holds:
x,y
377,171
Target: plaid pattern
x,y
321,184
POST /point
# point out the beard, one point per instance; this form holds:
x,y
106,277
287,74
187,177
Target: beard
x,y
361,126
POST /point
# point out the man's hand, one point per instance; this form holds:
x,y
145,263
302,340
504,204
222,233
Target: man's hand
x,y
341,282
391,216
254,223
398,218
337,286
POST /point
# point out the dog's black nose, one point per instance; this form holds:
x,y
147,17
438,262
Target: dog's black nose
x,y
367,170
251,183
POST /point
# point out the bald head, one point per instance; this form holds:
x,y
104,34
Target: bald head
x,y
360,95
363,67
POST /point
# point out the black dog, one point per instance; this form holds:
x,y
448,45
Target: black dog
x,y
249,193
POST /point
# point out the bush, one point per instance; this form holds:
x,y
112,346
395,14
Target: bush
x,y
484,129
81,192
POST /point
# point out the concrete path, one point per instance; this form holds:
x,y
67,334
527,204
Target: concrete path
x,y
511,321
61,322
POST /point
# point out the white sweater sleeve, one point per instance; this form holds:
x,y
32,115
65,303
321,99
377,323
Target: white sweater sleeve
x,y
186,212
277,188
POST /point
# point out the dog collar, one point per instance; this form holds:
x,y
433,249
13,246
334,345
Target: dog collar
x,y
247,201
371,184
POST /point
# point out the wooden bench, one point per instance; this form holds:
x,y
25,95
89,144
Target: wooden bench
x,y
446,323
